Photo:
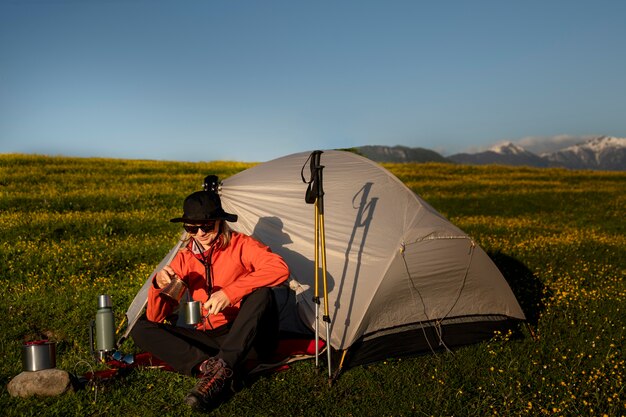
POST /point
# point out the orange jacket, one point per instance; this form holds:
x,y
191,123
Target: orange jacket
x,y
240,268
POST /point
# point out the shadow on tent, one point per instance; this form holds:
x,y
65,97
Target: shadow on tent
x,y
285,297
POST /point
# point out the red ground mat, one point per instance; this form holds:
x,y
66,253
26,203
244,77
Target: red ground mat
x,y
288,351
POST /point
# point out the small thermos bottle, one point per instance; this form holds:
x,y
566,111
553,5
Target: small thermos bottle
x,y
105,329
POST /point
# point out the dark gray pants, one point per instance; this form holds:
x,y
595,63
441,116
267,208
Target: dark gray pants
x,y
254,332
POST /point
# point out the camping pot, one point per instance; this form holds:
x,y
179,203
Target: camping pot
x,y
174,290
39,355
193,314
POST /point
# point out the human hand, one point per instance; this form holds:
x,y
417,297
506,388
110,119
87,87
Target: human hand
x,y
218,301
164,276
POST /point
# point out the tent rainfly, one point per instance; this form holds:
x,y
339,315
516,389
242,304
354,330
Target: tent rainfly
x,y
401,278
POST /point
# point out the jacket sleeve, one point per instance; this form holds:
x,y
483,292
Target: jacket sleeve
x,y
266,269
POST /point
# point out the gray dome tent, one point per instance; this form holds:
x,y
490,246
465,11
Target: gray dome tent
x,y
401,278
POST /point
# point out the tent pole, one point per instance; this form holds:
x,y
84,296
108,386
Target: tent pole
x,y
344,354
119,328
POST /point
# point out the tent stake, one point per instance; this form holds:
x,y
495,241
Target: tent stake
x,y
533,335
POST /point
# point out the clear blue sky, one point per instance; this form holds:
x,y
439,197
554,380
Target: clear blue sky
x,y
254,80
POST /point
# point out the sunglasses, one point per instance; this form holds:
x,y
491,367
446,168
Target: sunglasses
x,y
206,228
128,359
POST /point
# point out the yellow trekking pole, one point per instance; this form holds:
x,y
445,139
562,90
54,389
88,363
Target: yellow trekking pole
x,y
315,195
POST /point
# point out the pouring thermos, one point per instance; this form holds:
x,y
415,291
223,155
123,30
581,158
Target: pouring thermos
x,y
104,329
174,290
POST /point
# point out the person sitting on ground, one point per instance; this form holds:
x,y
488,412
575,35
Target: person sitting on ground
x,y
230,273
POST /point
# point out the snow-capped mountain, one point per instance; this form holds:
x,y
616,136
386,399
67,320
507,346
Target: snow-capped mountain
x,y
508,148
504,154
603,153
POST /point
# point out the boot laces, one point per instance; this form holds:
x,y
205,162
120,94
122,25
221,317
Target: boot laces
x,y
215,373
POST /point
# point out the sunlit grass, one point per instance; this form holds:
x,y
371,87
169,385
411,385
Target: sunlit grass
x,y
74,228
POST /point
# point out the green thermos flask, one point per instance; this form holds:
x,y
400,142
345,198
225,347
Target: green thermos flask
x,y
105,329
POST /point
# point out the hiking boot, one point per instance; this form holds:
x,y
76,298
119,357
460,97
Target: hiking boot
x,y
214,374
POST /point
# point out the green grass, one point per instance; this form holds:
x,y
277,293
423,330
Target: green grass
x,y
75,228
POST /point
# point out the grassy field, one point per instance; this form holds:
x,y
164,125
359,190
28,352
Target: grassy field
x,y
76,228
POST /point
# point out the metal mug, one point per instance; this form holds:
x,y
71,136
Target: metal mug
x,y
174,290
38,355
193,313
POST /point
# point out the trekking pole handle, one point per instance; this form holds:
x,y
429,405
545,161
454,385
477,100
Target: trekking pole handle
x,y
314,183
320,190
